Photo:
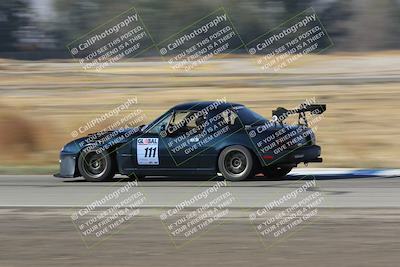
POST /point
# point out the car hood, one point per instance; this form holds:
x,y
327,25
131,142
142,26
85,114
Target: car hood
x,y
123,135
100,139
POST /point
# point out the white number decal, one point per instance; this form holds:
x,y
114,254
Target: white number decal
x,y
147,151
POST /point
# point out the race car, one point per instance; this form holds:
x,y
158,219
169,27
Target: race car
x,y
198,139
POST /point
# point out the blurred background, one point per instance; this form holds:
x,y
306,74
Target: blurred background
x,y
45,95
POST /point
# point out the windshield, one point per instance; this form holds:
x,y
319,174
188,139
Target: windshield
x,y
247,116
151,124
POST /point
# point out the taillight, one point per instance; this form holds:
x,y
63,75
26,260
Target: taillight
x,y
269,157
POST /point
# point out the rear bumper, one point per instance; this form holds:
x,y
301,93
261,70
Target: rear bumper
x,y
304,154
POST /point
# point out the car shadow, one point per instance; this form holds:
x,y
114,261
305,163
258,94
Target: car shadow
x,y
258,178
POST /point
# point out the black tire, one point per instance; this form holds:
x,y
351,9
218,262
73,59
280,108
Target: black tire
x,y
276,172
236,163
96,167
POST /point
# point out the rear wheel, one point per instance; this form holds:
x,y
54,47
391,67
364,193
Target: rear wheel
x,y
236,163
276,171
96,167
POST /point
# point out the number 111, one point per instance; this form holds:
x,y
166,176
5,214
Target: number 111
x,y
150,152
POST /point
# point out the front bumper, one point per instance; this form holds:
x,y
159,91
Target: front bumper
x,y
68,168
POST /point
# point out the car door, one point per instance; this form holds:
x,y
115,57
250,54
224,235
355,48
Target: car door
x,y
183,140
176,143
149,151
195,135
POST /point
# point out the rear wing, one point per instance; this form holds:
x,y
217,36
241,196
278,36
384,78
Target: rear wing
x,y
280,114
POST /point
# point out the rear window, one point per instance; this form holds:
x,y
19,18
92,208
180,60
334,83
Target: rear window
x,y
247,116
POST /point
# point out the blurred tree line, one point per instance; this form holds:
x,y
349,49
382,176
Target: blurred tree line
x,y
46,26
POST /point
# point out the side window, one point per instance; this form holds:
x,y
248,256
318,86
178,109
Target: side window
x,y
183,121
156,129
180,118
230,117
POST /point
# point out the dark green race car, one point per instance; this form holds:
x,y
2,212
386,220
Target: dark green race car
x,y
198,139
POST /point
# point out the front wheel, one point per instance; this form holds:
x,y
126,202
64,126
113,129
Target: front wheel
x,y
276,172
236,163
96,167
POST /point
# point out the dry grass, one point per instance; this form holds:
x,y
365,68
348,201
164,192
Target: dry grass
x,y
43,102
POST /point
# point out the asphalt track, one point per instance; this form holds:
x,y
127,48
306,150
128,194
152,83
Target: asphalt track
x,y
357,224
339,191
